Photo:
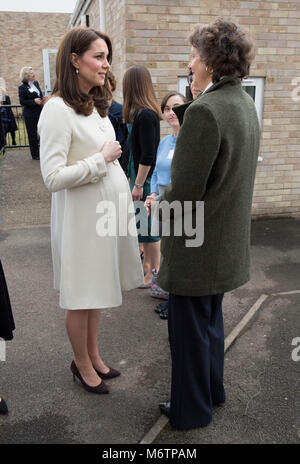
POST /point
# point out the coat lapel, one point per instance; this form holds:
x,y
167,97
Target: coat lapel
x,y
180,110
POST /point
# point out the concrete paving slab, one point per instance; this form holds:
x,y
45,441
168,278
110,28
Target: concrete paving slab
x,y
36,380
262,383
133,339
46,407
24,200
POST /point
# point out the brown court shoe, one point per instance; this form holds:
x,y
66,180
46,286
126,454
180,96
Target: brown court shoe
x,y
101,388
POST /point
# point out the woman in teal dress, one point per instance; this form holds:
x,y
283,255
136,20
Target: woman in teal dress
x,y
142,114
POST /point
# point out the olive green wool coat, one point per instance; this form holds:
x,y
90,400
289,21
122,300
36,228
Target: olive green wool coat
x,y
215,162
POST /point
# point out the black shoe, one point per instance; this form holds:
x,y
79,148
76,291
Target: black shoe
x,y
101,388
164,314
160,307
36,157
218,403
109,375
165,408
3,407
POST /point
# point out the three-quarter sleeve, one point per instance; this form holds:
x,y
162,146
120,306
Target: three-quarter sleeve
x,y
154,185
55,130
146,135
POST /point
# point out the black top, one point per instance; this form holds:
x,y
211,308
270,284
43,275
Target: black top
x,y
31,108
2,133
145,139
12,122
115,116
7,324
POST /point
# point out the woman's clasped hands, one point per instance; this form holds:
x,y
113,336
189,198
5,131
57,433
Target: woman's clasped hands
x,y
111,151
39,101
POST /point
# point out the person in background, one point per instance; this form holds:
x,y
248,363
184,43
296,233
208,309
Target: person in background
x,y
2,134
215,163
161,176
4,122
142,114
31,98
7,323
115,114
79,164
5,99
194,91
188,92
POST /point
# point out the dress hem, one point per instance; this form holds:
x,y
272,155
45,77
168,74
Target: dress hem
x,y
105,306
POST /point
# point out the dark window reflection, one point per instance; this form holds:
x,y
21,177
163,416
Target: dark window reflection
x,y
250,89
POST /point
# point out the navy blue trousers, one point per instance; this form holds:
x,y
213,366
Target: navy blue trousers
x,y
196,336
31,127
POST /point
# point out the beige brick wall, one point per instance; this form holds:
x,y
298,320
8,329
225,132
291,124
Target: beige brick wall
x,y
115,28
93,12
154,33
157,34
23,36
275,27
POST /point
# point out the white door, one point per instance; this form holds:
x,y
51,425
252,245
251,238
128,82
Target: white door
x,y
49,59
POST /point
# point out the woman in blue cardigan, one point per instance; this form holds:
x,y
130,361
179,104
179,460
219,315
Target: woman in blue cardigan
x,y
161,174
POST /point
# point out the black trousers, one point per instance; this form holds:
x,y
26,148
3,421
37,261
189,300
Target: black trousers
x,y
197,349
31,127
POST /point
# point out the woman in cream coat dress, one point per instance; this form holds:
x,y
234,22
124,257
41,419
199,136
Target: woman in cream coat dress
x,y
92,261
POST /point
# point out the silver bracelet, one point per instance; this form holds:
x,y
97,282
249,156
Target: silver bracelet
x,y
139,186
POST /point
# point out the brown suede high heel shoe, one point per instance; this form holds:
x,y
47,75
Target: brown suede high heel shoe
x,y
101,388
109,375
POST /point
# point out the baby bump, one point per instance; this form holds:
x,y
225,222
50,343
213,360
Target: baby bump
x,y
116,180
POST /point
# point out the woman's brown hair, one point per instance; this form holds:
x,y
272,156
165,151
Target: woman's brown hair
x,y
168,96
112,81
224,48
138,92
78,40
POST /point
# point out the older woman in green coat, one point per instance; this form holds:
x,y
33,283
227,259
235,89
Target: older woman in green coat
x,y
214,162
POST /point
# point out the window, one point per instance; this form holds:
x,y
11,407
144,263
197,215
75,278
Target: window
x,y
254,86
182,85
85,20
49,58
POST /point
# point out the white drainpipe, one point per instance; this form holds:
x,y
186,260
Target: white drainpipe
x,y
102,15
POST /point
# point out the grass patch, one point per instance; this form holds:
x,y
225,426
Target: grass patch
x,y
20,135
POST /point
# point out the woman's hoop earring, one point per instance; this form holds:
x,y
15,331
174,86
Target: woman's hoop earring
x,y
209,72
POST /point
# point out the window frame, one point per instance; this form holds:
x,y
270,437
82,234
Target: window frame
x,y
257,82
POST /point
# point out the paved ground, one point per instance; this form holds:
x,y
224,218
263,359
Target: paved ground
x,y
262,380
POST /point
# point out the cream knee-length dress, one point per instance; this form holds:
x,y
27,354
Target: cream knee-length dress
x,y
94,256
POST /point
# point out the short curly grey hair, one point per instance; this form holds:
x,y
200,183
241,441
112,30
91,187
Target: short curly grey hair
x,y
225,48
24,73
